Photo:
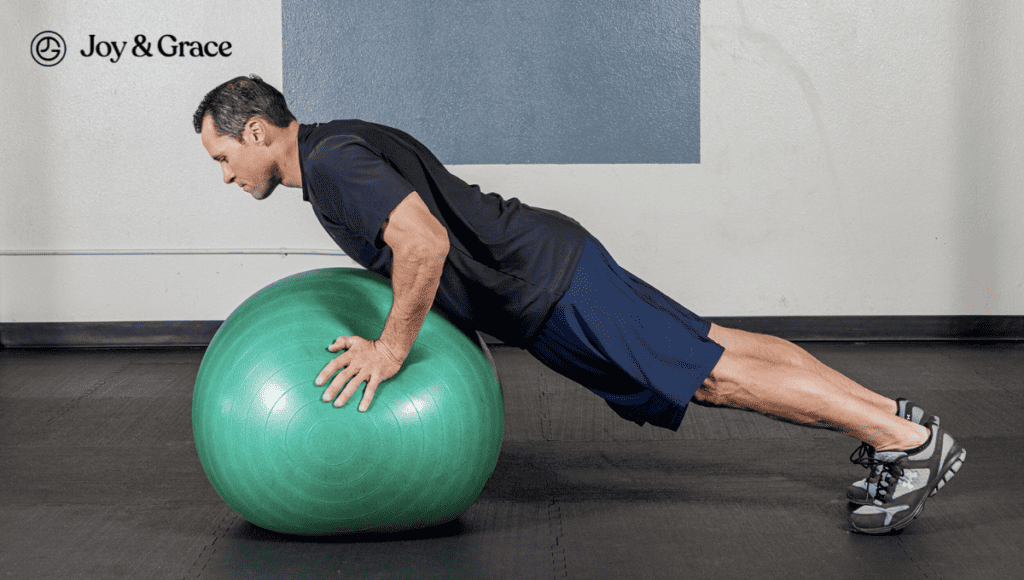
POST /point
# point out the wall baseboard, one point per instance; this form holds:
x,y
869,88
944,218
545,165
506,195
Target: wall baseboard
x,y
881,328
190,333
198,333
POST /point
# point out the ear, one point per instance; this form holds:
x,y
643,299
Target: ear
x,y
254,128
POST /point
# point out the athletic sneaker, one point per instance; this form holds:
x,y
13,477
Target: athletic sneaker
x,y
863,492
907,479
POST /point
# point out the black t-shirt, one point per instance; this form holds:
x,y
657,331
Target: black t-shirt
x,y
508,263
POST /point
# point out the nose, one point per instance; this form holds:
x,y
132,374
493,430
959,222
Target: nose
x,y
229,176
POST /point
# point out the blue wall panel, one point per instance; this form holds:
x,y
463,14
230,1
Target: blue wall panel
x,y
505,82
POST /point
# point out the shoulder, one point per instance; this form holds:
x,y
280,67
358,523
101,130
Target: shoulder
x,y
341,153
332,147
327,141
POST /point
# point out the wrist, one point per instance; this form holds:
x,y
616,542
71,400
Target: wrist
x,y
395,355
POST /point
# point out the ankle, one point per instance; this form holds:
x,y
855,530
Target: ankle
x,y
913,437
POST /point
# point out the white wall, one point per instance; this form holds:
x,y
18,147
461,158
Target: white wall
x,y
858,158
102,156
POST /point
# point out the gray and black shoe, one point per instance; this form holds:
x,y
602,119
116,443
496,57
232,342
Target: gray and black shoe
x,y
863,492
906,479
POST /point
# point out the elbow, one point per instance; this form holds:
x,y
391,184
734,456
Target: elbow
x,y
435,244
442,246
429,250
437,249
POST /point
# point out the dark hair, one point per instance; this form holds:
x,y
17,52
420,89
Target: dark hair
x,y
233,103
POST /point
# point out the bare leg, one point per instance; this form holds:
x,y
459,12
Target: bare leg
x,y
780,351
763,374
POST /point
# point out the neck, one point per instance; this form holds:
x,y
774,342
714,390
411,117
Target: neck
x,y
288,156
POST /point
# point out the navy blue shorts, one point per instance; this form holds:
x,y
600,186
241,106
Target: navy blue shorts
x,y
620,337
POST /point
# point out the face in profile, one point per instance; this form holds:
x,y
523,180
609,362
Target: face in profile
x,y
248,164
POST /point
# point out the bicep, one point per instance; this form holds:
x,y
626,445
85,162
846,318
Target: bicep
x,y
354,186
411,227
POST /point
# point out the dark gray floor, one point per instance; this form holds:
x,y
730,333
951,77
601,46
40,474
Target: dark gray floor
x,y
99,479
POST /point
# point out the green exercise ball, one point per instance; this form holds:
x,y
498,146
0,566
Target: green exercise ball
x,y
287,461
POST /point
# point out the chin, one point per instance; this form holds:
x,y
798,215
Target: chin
x,y
264,192
272,183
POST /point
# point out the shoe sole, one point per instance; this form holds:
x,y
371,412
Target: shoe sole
x,y
954,466
957,464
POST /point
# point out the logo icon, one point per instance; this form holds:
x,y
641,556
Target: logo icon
x,y
48,48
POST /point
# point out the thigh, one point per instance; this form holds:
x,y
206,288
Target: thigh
x,y
565,348
760,346
639,336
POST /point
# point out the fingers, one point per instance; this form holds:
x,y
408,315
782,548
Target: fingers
x,y
347,382
350,381
351,386
361,363
341,343
371,388
331,368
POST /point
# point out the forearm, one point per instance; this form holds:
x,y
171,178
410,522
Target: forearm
x,y
415,276
419,247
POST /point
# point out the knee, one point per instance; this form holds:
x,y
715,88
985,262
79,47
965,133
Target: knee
x,y
708,395
720,387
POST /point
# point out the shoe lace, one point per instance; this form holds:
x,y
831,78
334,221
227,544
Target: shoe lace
x,y
885,474
862,455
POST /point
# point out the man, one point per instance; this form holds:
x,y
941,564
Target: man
x,y
538,280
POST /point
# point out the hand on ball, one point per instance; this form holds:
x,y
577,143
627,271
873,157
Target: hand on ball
x,y
368,361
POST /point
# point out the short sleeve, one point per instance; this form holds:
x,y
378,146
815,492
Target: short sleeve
x,y
355,186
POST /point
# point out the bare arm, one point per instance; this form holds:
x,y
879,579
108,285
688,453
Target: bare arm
x,y
419,246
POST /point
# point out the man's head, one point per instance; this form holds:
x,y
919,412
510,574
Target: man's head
x,y
238,121
238,100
